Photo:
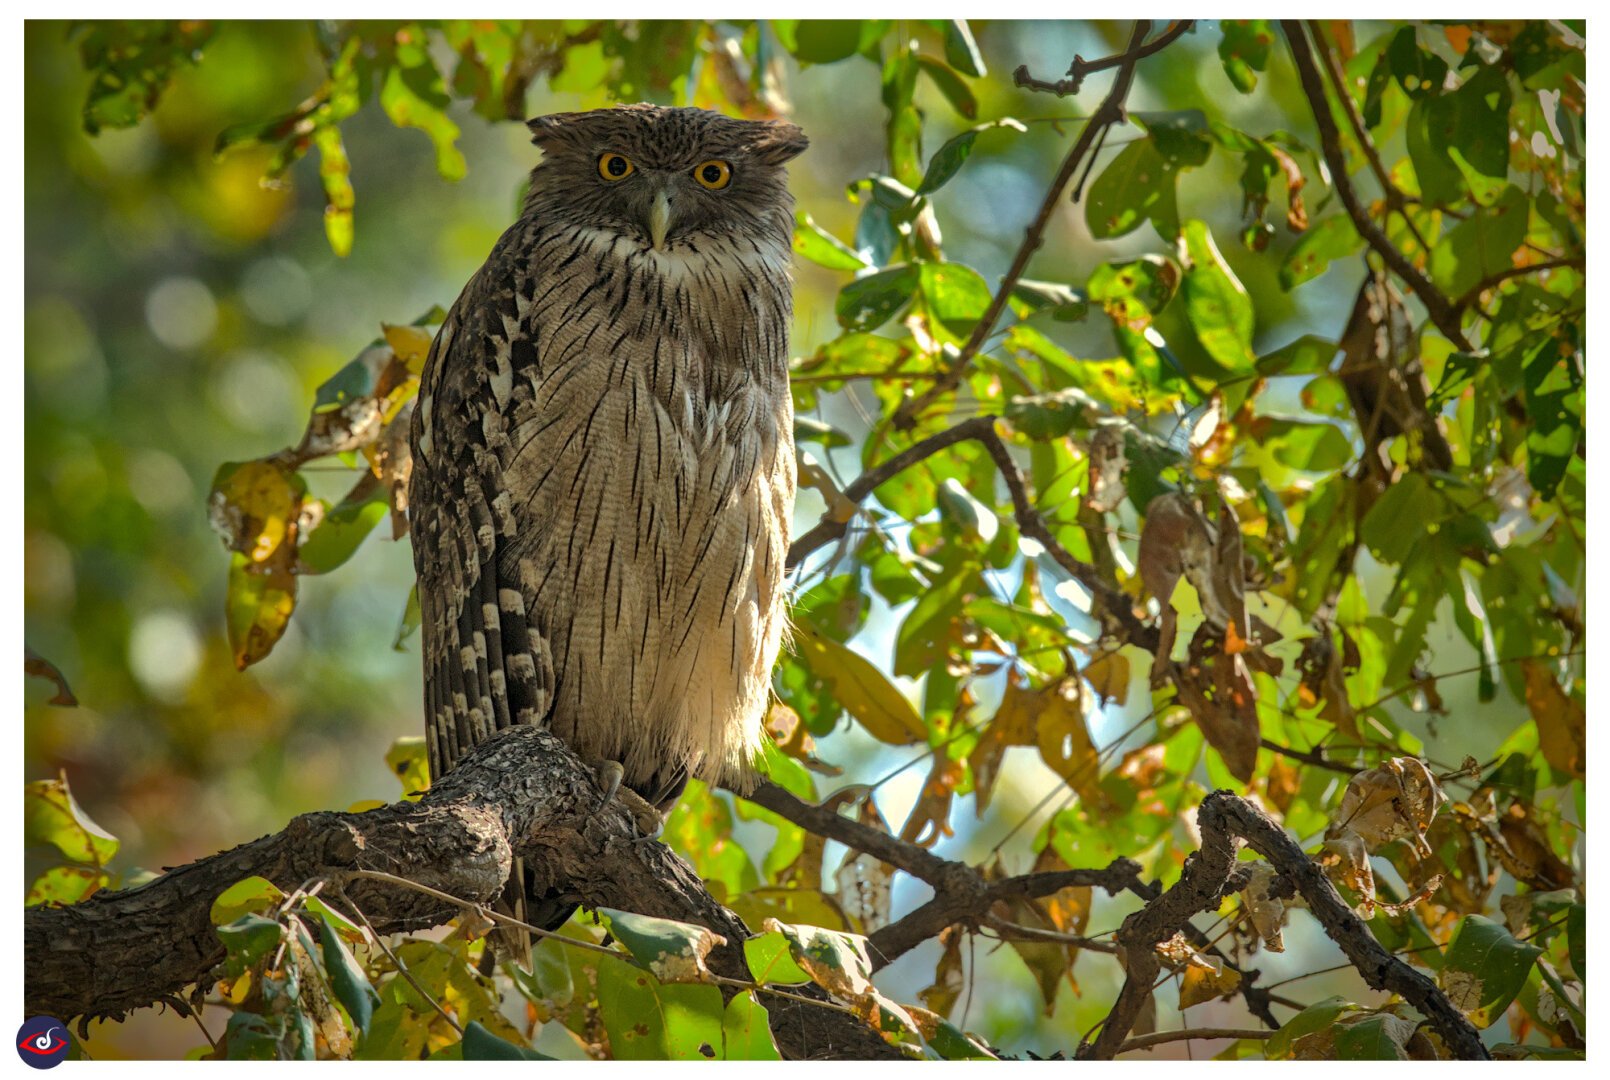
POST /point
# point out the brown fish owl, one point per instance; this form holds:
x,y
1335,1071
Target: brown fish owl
x,y
603,454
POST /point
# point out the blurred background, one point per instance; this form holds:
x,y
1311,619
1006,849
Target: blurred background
x,y
179,314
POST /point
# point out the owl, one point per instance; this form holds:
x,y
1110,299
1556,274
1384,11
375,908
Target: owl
x,y
604,473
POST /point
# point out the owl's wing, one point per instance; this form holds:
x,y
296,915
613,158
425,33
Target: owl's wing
x,y
486,663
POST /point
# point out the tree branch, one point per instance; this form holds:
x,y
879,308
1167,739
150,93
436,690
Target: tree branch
x,y
1208,876
1438,307
1108,113
1080,68
522,793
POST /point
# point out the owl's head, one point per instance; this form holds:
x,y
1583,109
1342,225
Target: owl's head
x,y
666,178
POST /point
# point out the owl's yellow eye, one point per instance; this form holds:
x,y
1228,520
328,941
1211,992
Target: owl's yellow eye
x,y
614,167
714,175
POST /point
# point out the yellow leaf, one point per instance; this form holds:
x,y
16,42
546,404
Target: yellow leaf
x,y
864,691
410,343
260,601
1561,720
1108,676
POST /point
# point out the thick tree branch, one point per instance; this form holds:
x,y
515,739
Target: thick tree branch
x,y
1442,311
522,793
1209,875
1108,113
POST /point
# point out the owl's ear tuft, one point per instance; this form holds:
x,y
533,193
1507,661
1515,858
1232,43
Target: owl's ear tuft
x,y
555,129
778,143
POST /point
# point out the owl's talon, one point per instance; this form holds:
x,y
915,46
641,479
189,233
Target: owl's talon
x,y
647,819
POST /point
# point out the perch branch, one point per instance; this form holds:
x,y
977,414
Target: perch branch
x,y
1208,876
521,793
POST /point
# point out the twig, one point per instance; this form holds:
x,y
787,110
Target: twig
x,y
1575,262
830,528
1395,199
1080,68
397,963
1208,876
1156,1038
1441,310
1110,111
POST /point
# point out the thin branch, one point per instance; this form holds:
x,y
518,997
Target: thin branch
x,y
1209,875
1158,1038
1080,68
1441,310
1395,199
1109,112
1471,295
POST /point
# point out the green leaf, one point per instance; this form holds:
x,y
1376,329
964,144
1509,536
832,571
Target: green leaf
x,y
248,939
396,1033
409,623
961,51
647,1021
1551,367
949,158
248,896
336,538
131,62
66,885
1137,185
52,816
951,85
1484,968
771,961
1216,302
1307,355
335,173
868,302
863,690
1244,50
821,247
1480,246
351,986
1316,1017
258,606
1418,71
809,429
674,951
1398,519
746,1031
955,295
1459,141
924,637
1379,1036
1330,239
1065,303
413,96
252,1037
825,41
481,1045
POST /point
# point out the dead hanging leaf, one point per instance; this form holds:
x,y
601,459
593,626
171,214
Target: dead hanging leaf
x,y
1266,913
793,739
1324,679
1218,691
1281,783
1203,978
34,664
1384,381
864,882
840,507
1050,962
1107,464
1526,853
1296,212
1395,801
1108,676
1176,541
1058,714
1561,719
942,994
929,820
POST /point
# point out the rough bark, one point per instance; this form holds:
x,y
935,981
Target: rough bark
x,y
520,794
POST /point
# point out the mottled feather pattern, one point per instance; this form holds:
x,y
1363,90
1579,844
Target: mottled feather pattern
x,y
604,460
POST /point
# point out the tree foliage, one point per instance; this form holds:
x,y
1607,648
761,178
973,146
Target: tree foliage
x,y
1186,549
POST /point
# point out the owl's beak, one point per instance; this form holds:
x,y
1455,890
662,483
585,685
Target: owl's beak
x,y
659,219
